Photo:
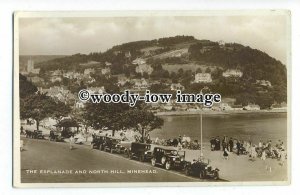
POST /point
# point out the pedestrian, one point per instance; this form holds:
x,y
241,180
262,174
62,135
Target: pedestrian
x,y
282,157
238,147
218,143
71,141
260,145
21,145
263,155
212,144
253,153
230,145
180,139
225,154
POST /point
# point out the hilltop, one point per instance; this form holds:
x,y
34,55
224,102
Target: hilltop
x,y
178,59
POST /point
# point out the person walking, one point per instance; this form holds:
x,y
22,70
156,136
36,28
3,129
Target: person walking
x,y
225,154
263,155
71,141
238,147
230,144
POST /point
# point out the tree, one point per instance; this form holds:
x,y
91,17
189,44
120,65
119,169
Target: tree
x,y
40,106
26,87
142,121
105,115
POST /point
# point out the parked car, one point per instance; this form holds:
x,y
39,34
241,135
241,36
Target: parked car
x,y
29,134
140,151
66,133
38,134
202,169
34,134
168,157
113,145
98,142
55,136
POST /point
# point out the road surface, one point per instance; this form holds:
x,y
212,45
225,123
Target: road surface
x,y
43,161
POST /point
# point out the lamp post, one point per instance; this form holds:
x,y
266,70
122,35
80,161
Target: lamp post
x,y
201,141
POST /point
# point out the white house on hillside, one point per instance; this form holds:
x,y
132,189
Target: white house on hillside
x,y
203,78
139,61
232,73
144,68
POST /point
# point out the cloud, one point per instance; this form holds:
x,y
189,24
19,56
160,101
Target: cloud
x,y
50,36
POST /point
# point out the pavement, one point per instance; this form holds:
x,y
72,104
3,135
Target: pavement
x,y
43,161
45,155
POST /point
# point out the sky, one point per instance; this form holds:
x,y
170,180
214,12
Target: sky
x,y
71,35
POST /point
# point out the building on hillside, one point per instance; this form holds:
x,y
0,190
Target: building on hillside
x,y
203,78
72,75
88,71
139,61
36,80
221,43
264,83
144,68
117,52
60,93
79,104
237,107
232,73
177,86
30,67
140,83
225,106
57,73
108,64
127,54
90,63
282,106
252,107
105,71
54,79
122,81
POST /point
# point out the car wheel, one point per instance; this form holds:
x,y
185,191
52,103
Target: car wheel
x,y
187,172
216,176
201,175
141,158
168,165
130,156
153,161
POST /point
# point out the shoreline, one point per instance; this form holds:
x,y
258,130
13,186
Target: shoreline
x,y
179,113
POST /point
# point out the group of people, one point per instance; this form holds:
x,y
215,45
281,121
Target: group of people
x,y
181,142
262,150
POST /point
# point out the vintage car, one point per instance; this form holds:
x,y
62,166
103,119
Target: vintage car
x,y
36,134
113,145
202,169
140,151
168,157
66,133
55,136
98,142
29,133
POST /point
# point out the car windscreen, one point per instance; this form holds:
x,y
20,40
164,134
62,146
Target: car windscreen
x,y
172,152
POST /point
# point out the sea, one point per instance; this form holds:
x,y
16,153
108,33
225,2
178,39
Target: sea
x,y
246,126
